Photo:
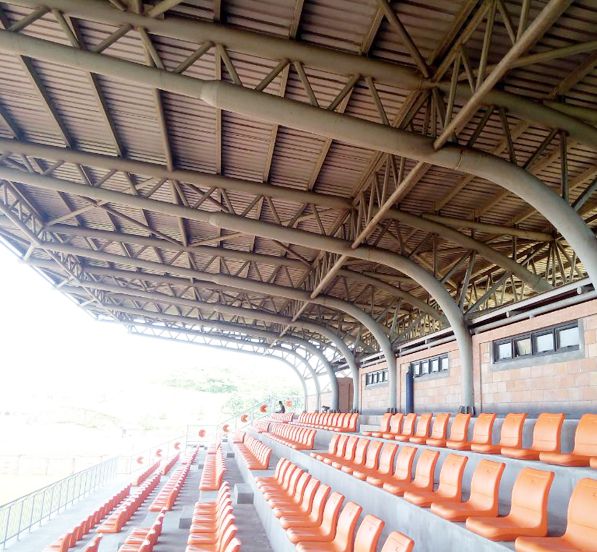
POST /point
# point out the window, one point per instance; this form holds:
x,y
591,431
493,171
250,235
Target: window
x,y
431,365
556,339
379,376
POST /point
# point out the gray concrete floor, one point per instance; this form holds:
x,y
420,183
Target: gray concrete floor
x,y
172,539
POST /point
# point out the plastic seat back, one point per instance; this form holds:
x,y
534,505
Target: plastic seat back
x,y
341,447
233,545
440,426
384,425
425,469
319,501
301,486
408,425
396,423
483,429
333,446
450,476
351,445
347,523
585,438
459,429
368,534
423,425
485,485
511,433
309,494
386,458
331,513
361,451
404,463
372,458
398,542
547,433
529,498
582,521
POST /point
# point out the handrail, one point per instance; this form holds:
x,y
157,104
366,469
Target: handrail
x,y
24,513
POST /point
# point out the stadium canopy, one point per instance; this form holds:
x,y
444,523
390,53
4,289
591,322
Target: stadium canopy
x,y
319,180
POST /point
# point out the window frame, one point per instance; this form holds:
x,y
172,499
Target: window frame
x,y
443,365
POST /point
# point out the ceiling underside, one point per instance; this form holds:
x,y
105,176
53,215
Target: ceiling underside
x,y
434,69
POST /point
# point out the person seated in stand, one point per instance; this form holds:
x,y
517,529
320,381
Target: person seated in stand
x,y
281,408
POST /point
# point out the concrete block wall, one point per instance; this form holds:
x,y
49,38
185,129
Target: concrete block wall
x,y
532,385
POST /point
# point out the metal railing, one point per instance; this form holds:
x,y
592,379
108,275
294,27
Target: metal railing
x,y
23,514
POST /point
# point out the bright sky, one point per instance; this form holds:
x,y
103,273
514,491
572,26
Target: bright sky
x,y
50,344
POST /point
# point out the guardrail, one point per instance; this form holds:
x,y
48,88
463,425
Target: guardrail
x,y
19,516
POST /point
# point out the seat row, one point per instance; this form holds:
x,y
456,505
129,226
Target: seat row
x,y
118,518
345,422
168,494
313,518
140,478
373,462
545,447
282,417
213,471
143,539
261,426
254,453
299,438
71,538
212,525
169,464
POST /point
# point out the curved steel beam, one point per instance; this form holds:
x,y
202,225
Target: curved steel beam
x,y
121,291
242,330
68,230
359,132
266,348
140,167
334,61
288,235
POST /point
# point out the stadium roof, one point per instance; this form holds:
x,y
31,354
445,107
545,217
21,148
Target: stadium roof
x,y
331,176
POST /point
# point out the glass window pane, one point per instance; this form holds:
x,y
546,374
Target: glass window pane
x,y
385,375
425,367
444,363
544,343
522,346
568,337
435,365
417,369
504,350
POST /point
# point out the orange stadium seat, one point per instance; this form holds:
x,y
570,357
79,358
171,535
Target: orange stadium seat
x,y
385,466
422,430
484,496
254,453
348,454
481,433
344,533
547,437
299,438
93,546
510,435
314,518
368,534
581,531
439,431
398,542
402,471
450,484
371,461
408,428
324,532
395,426
384,426
585,445
360,455
528,509
458,431
424,474
305,505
